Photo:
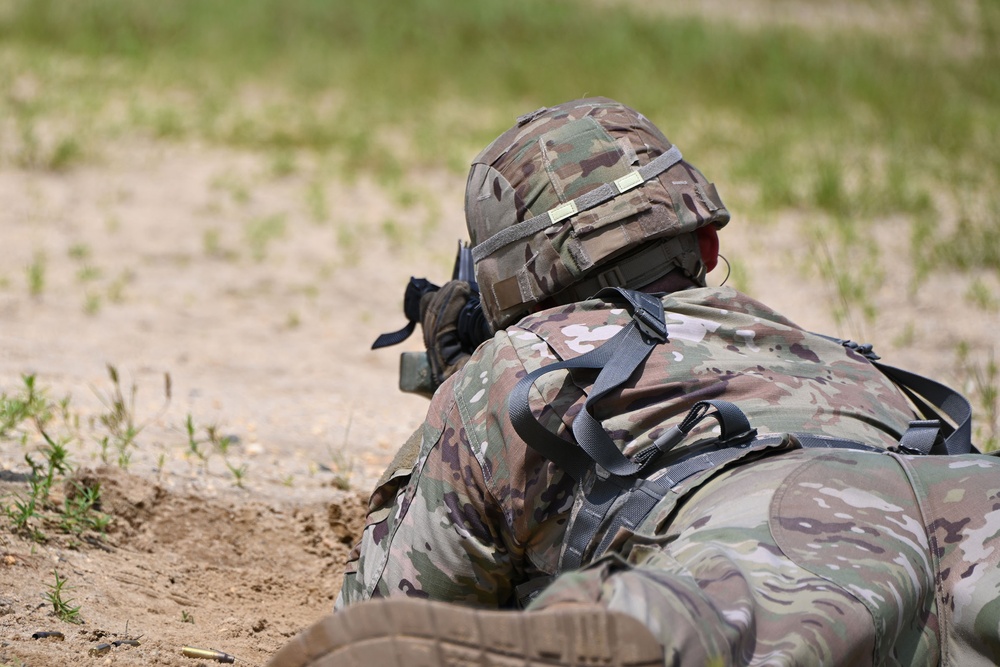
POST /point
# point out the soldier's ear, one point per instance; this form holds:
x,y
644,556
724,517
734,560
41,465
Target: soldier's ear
x,y
708,245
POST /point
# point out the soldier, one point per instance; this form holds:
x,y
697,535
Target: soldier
x,y
565,501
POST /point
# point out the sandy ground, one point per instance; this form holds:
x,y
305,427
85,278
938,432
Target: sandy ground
x,y
150,266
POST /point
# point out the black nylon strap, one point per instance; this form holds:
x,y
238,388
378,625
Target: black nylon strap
x,y
394,337
588,521
636,507
415,289
956,440
587,430
617,358
735,436
563,453
645,494
810,441
921,437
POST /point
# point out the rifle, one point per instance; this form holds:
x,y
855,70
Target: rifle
x,y
414,368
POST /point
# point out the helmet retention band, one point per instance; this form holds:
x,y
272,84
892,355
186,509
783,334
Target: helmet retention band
x,y
584,202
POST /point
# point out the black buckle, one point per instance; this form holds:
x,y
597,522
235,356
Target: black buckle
x,y
648,317
865,350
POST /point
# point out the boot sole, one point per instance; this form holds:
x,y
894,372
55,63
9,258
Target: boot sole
x,y
422,633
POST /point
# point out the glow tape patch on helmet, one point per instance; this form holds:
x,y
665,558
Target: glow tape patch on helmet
x,y
562,212
629,181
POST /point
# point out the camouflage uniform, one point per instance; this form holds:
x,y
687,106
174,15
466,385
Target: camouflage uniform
x,y
787,556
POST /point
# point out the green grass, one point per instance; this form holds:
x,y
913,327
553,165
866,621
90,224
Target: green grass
x,y
29,417
35,273
326,75
62,606
261,232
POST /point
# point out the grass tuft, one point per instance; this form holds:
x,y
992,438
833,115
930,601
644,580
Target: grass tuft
x,y
62,606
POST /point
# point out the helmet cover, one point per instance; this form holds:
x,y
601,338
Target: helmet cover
x,y
546,163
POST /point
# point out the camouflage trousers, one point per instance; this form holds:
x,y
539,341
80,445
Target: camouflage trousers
x,y
817,558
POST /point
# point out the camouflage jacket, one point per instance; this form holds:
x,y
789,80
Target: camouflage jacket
x,y
468,510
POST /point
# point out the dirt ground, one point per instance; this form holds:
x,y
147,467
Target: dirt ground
x,y
259,290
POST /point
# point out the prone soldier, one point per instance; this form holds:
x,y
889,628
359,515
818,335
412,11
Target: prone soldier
x,y
567,500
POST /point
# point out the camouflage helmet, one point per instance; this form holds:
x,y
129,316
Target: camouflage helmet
x,y
581,196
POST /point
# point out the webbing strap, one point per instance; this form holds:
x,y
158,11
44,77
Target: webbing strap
x,y
584,202
643,496
954,440
415,290
588,521
931,435
617,358
395,337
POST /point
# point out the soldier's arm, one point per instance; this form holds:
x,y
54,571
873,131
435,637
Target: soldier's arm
x,y
433,529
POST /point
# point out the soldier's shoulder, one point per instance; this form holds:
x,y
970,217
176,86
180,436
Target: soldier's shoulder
x,y
725,301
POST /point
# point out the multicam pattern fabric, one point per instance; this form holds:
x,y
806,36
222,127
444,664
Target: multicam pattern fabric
x,y
800,557
817,558
553,156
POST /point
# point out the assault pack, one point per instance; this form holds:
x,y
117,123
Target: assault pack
x,y
620,491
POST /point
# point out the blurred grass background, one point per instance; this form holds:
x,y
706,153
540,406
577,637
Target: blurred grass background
x,y
848,122
844,120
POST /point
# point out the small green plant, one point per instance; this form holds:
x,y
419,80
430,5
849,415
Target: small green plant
x,y
21,511
316,202
36,275
62,606
982,381
79,251
852,281
283,164
92,303
982,296
168,123
210,242
238,472
194,444
64,154
31,415
218,441
261,232
212,442
341,465
116,289
55,462
88,273
186,617
79,513
120,421
31,404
